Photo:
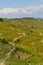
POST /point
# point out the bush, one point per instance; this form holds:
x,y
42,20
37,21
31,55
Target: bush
x,y
18,40
4,41
18,57
33,27
31,31
22,50
1,19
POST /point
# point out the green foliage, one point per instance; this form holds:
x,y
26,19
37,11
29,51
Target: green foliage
x,y
22,50
1,19
31,43
4,41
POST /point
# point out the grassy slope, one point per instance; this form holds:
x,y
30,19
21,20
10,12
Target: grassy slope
x,y
32,42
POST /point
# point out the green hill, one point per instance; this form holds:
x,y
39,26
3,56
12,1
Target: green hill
x,y
21,41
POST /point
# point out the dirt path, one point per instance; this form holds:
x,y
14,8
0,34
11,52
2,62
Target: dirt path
x,y
23,34
8,54
40,33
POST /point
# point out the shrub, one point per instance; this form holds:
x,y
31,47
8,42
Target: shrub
x,y
33,27
1,19
22,50
18,57
4,41
18,40
31,31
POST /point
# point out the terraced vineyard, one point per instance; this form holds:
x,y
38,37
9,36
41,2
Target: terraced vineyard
x,y
21,41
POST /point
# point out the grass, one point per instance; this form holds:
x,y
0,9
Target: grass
x,y
31,43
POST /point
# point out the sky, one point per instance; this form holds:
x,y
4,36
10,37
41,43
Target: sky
x,y
21,8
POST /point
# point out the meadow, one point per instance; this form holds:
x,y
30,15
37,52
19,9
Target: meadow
x,y
25,35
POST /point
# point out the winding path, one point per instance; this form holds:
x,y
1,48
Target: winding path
x,y
8,54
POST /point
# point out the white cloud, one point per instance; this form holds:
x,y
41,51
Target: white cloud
x,y
34,9
30,10
8,10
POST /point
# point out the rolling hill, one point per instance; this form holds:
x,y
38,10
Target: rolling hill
x,y
21,41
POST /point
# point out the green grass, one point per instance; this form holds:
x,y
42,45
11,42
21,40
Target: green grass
x,y
32,42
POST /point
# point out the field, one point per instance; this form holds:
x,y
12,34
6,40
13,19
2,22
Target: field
x,y
21,41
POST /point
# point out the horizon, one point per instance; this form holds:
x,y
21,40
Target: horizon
x,y
21,8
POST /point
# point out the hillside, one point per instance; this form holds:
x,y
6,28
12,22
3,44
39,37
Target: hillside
x,y
21,41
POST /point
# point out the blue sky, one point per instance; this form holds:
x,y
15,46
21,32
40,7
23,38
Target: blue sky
x,y
21,8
